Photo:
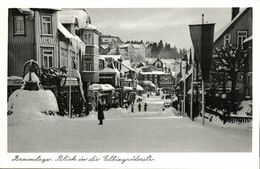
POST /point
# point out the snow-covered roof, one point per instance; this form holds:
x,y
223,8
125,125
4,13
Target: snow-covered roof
x,y
113,51
82,16
25,11
138,46
108,70
150,60
140,88
101,57
67,34
153,73
127,67
67,18
125,45
127,62
128,88
103,87
116,57
168,61
147,82
104,46
64,31
146,66
222,30
90,27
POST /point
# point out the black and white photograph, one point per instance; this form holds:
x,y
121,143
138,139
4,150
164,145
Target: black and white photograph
x,y
130,80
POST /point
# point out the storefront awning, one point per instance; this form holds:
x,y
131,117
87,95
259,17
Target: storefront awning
x,y
127,88
102,87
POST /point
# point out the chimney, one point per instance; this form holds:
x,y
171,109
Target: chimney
x,y
235,11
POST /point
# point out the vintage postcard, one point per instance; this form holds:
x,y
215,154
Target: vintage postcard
x,y
128,85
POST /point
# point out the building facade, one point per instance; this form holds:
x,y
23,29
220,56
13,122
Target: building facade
x,y
32,35
236,32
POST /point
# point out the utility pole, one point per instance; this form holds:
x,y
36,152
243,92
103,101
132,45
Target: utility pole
x,y
203,91
192,76
69,66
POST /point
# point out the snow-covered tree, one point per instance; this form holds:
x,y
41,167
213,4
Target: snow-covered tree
x,y
228,62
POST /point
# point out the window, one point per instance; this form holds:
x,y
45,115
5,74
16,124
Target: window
x,y
47,56
19,26
241,36
46,25
88,65
89,50
227,39
101,64
88,38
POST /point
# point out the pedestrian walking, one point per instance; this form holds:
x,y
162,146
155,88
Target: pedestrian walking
x,y
101,116
145,107
132,108
139,107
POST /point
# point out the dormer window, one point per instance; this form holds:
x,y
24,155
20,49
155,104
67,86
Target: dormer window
x,y
19,25
46,25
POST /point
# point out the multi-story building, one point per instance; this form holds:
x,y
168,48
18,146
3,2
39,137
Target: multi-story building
x,y
32,35
236,32
71,48
126,51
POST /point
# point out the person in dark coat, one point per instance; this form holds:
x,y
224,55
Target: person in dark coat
x,y
139,107
145,106
132,108
101,116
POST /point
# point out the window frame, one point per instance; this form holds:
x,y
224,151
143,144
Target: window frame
x,y
50,22
225,39
88,63
101,65
14,26
243,37
48,58
88,38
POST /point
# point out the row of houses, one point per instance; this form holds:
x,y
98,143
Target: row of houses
x,y
64,38
237,32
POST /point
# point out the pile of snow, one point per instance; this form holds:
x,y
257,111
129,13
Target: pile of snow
x,y
31,105
246,106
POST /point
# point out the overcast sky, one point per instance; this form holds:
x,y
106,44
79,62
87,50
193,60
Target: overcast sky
x,y
154,24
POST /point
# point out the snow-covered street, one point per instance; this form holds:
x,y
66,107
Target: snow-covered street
x,y
123,131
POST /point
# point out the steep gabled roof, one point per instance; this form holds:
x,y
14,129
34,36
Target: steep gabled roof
x,y
224,29
67,19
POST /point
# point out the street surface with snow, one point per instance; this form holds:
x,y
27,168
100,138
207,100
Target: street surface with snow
x,y
124,131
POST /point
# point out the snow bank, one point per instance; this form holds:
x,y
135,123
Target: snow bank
x,y
30,105
216,121
246,106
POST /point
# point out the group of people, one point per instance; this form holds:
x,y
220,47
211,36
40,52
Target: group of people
x,y
140,107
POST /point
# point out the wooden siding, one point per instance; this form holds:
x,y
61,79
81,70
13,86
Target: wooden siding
x,y
46,41
244,23
20,47
18,54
